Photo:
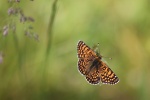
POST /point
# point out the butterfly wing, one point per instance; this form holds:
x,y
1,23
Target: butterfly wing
x,y
107,75
90,65
86,56
93,76
85,51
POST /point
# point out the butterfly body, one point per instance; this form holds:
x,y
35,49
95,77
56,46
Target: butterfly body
x,y
92,67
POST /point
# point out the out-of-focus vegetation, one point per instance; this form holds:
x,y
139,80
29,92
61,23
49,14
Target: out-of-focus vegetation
x,y
38,59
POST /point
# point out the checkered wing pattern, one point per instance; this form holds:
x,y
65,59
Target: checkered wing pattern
x,y
91,66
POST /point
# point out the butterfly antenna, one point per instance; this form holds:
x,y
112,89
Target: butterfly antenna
x,y
107,57
98,48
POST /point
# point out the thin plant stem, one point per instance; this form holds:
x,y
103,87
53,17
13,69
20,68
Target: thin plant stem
x,y
49,42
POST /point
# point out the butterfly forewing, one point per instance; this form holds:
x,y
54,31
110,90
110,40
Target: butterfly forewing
x,y
84,51
86,57
90,65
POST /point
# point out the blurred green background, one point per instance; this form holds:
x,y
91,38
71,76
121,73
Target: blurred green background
x,y
47,69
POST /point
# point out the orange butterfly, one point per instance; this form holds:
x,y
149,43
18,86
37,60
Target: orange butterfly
x,y
92,67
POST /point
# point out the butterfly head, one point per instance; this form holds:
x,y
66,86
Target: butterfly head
x,y
96,50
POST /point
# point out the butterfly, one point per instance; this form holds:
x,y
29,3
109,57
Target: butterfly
x,y
90,65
